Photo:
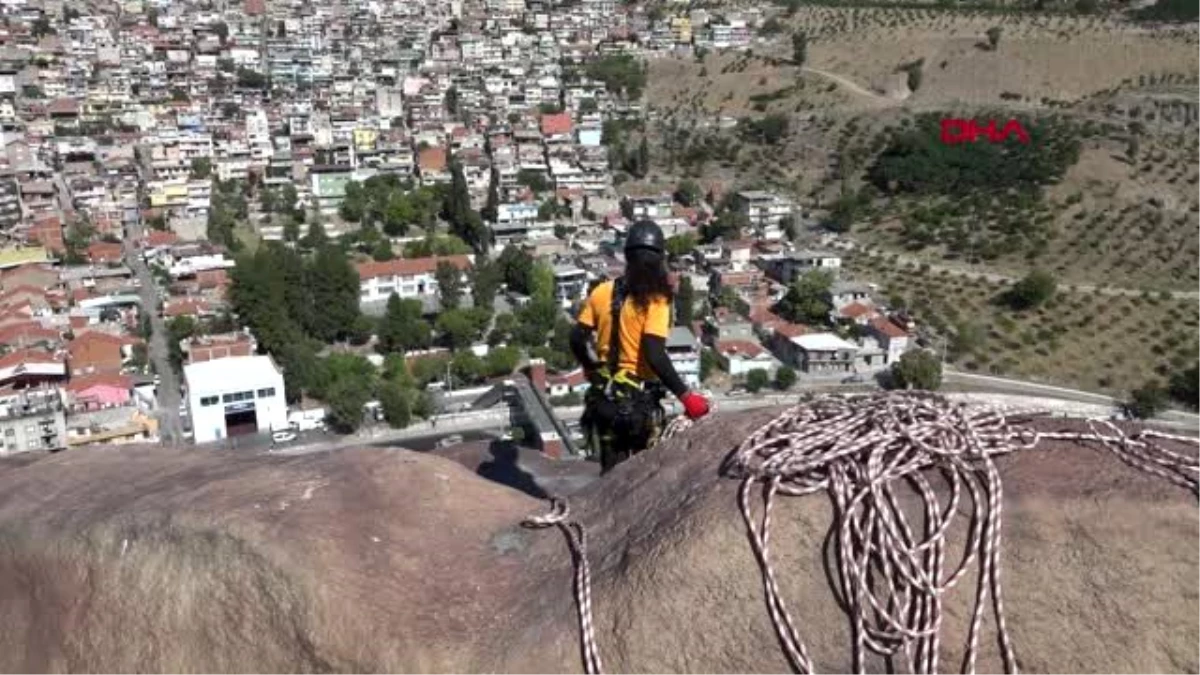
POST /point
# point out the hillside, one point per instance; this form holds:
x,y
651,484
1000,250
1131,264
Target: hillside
x,y
161,559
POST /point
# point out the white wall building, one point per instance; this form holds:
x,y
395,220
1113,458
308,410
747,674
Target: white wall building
x,y
407,278
684,351
235,396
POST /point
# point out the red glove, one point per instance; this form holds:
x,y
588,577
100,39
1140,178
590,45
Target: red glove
x,y
695,406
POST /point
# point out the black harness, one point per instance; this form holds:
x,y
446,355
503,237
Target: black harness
x,y
625,407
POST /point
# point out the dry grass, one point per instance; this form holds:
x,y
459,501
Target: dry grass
x,y
1086,340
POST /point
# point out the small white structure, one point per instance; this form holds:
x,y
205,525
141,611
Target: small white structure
x,y
235,396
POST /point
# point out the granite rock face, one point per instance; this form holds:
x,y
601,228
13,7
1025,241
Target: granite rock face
x,y
160,559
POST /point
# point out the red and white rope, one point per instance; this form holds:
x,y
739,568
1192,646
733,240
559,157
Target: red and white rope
x,y
892,576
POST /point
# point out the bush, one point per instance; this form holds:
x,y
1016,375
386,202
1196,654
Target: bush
x,y
785,377
1146,401
1034,290
756,380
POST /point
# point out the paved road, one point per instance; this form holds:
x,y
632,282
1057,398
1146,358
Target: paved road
x,y
167,412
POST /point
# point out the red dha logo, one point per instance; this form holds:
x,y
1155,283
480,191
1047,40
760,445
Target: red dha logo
x,y
968,131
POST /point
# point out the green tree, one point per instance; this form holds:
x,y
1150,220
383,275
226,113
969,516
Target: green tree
x,y
464,221
346,399
993,37
516,267
1147,401
467,368
291,230
808,299
785,377
756,380
681,245
533,179
449,283
396,408
402,328
456,329
787,225
917,369
1032,291
315,238
799,48
708,363
620,73
382,251
1184,386
501,361
688,193
201,168
486,277
503,329
685,300
334,285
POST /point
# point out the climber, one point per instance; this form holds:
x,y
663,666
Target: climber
x,y
622,412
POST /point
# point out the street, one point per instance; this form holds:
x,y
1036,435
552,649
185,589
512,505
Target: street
x,y
167,412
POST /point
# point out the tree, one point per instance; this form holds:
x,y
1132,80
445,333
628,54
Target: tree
x,y
757,379
533,179
382,251
516,267
785,377
486,277
393,399
315,238
466,367
808,300
1184,386
681,245
201,168
685,300
501,361
449,283
1147,401
917,369
643,159
620,73
346,398
402,328
688,193
465,222
788,225
334,285
708,363
799,48
1132,148
993,37
456,329
42,27
452,100
1032,291
222,31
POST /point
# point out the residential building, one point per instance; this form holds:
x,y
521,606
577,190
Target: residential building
x,y
570,284
739,357
684,351
820,354
407,278
762,208
892,338
33,419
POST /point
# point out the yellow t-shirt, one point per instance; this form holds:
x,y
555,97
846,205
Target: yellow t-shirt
x,y
596,314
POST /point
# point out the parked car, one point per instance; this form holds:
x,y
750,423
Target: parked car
x,y
452,439
283,436
856,378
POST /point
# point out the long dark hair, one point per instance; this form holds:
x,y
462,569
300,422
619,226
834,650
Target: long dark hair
x,y
646,277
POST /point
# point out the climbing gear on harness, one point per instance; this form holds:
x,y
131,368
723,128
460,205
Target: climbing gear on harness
x,y
626,408
892,577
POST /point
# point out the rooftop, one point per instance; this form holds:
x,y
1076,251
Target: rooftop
x,y
823,342
232,374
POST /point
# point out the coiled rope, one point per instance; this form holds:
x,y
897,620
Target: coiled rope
x,y
890,578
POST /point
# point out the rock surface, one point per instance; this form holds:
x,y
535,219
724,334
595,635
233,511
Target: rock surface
x,y
158,559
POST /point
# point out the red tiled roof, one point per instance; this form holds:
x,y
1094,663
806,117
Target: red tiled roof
x,y
408,267
888,328
27,332
855,310
104,251
432,159
790,330
20,356
157,238
556,124
63,106
84,382
185,308
746,347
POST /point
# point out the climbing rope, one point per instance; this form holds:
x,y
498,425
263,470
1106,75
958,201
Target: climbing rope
x,y
559,516
892,578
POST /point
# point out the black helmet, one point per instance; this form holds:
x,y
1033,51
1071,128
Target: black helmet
x,y
645,234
